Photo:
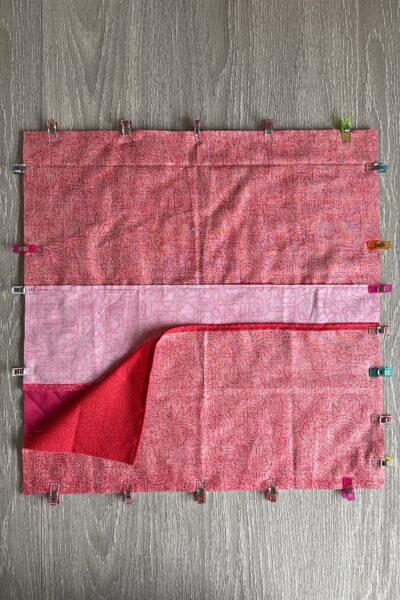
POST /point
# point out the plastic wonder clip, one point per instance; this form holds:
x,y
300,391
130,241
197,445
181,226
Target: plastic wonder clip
x,y
386,461
52,126
126,127
271,493
345,129
200,493
127,496
378,167
19,371
380,288
348,489
54,494
380,371
18,290
18,168
382,419
24,248
379,245
379,330
268,129
197,130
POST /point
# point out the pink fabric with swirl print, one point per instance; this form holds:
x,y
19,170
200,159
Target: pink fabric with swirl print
x,y
235,405
155,207
75,334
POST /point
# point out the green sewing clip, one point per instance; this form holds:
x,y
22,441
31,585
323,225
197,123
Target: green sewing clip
x,y
380,372
345,128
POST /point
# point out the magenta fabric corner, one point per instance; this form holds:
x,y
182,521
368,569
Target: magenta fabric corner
x,y
155,207
234,405
75,334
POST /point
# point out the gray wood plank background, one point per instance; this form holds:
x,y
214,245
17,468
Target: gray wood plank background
x,y
162,63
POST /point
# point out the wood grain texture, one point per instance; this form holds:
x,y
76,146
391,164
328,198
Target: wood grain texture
x,y
231,63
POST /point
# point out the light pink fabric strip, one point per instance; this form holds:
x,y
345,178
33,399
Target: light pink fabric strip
x,y
74,334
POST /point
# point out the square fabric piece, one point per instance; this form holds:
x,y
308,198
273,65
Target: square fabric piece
x,y
155,207
237,406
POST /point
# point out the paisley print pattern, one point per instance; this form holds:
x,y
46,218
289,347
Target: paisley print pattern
x,y
157,208
235,405
75,334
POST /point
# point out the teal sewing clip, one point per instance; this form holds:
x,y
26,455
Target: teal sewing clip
x,y
380,372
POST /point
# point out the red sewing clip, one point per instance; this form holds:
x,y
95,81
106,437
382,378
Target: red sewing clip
x,y
24,248
200,493
380,288
348,489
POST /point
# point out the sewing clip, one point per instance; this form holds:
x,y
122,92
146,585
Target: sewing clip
x,y
386,461
18,290
196,130
380,288
200,493
378,167
381,419
24,248
52,126
54,494
268,129
345,128
127,496
271,493
380,372
19,371
126,127
348,489
379,245
379,330
18,168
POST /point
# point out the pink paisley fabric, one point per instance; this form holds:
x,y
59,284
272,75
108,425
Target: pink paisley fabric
x,y
234,405
75,334
156,207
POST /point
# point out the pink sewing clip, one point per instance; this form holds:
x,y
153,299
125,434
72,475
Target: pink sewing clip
x,y
54,494
348,489
197,129
200,493
127,496
380,288
268,129
24,248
